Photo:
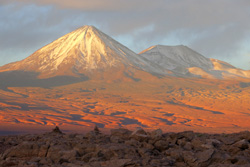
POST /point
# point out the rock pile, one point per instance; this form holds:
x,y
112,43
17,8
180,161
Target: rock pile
x,y
124,148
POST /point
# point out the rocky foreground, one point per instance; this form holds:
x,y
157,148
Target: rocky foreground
x,y
124,148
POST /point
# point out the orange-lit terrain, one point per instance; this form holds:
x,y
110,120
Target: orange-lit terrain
x,y
172,104
86,78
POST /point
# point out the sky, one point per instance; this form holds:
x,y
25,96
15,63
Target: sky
x,y
215,28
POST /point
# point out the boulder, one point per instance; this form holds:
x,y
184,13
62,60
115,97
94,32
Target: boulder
x,y
188,135
121,132
204,156
197,144
140,135
68,156
161,145
55,153
156,134
181,142
211,143
188,146
176,154
133,142
189,158
43,150
242,144
220,157
26,149
119,135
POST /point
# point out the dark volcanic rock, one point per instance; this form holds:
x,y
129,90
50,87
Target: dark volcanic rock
x,y
125,148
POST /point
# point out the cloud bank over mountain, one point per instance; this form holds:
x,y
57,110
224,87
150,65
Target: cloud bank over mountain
x,y
218,29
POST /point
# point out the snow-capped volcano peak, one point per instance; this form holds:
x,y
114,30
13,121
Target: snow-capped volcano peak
x,y
176,57
80,51
79,45
184,61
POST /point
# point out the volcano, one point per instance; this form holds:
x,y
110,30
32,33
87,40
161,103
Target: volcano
x,y
185,62
85,51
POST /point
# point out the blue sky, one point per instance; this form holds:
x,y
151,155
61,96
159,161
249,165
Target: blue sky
x,y
215,28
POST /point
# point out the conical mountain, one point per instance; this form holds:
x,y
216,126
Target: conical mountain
x,y
176,58
184,61
83,51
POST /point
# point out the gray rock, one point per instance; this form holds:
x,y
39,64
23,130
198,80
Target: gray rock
x,y
176,154
204,156
197,144
26,149
119,135
161,145
121,132
156,134
189,158
188,135
211,143
188,146
242,144
181,142
43,150
69,155
133,142
140,135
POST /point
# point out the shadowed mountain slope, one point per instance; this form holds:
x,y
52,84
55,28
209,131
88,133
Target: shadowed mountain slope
x,y
184,61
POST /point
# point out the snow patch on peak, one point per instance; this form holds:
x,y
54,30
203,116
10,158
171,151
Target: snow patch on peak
x,y
185,61
80,51
176,57
86,46
157,47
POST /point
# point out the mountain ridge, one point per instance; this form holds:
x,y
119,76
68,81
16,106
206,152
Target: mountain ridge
x,y
182,60
89,52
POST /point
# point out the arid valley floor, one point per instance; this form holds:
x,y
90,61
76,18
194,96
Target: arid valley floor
x,y
172,104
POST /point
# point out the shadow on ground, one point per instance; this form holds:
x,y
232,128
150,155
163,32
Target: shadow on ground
x,y
29,79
